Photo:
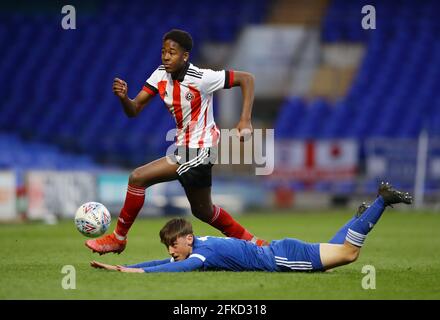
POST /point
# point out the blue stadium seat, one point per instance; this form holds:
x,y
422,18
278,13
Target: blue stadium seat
x,y
398,73
311,125
60,91
289,117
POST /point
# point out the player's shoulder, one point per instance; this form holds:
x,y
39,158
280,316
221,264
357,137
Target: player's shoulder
x,y
204,239
208,241
202,71
160,69
204,245
195,72
212,241
158,74
204,75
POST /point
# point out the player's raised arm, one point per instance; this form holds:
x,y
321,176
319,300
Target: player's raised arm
x,y
132,107
246,82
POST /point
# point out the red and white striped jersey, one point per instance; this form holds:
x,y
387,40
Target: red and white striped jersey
x,y
188,98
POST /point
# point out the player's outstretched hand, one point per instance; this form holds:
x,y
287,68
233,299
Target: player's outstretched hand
x,y
120,88
129,270
100,265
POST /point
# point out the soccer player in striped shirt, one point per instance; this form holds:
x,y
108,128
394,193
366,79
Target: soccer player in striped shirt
x,y
188,94
190,253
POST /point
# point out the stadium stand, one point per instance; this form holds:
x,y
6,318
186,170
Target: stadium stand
x,y
59,92
57,105
394,91
20,156
399,80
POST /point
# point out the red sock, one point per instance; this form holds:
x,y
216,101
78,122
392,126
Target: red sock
x,y
134,200
223,221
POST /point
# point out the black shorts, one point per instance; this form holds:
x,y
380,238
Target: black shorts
x,y
195,168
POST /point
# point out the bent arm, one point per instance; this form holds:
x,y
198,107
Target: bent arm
x,y
133,107
186,265
245,81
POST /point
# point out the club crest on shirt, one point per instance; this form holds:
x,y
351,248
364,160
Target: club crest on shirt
x,y
189,96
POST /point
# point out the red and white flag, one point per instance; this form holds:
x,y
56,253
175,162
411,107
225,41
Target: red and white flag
x,y
316,160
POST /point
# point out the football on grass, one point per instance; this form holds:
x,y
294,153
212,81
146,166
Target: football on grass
x,y
92,219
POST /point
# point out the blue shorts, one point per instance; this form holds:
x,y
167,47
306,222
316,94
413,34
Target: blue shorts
x,y
296,255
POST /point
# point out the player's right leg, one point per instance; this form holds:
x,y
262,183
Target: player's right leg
x,y
195,175
160,170
333,255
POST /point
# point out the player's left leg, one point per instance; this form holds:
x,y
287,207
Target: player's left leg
x,y
345,246
333,255
339,237
387,196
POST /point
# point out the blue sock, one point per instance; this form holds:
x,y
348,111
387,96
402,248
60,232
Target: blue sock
x,y
339,237
358,231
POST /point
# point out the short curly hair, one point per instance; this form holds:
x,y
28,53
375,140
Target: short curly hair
x,y
183,38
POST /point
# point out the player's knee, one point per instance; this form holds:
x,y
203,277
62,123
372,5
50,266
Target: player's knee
x,y
201,213
136,178
351,255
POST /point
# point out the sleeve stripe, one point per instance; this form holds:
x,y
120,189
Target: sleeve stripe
x,y
226,79
199,256
150,89
229,79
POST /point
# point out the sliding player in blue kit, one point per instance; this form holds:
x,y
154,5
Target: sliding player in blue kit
x,y
190,253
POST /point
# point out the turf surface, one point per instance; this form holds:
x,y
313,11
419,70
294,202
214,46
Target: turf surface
x,y
403,248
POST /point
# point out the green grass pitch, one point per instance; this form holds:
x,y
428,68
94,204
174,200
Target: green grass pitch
x,y
403,248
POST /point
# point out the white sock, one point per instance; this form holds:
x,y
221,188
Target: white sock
x,y
121,238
